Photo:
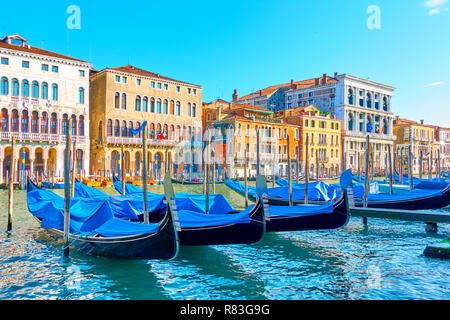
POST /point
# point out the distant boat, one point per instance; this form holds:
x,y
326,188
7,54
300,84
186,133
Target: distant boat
x,y
193,182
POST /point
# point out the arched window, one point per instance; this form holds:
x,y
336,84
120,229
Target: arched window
x,y
152,105
65,123
81,95
44,90
138,124
15,87
385,128
54,124
145,104
369,100
4,86
188,110
54,92
35,90
152,131
194,110
165,107
15,121
117,100
74,126
350,122
24,121
350,96
172,107
385,104
109,128
138,103
117,128
124,128
178,109
34,122
44,122
81,126
130,125
25,89
158,106
124,101
4,121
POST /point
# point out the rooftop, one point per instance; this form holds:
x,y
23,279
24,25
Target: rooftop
x,y
18,43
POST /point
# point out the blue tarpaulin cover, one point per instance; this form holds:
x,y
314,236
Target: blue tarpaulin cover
x,y
304,210
184,201
316,191
87,215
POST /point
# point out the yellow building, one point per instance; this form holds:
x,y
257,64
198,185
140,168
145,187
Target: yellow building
x,y
421,137
124,97
238,125
324,139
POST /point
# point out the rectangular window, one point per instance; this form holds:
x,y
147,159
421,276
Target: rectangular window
x,y
55,69
300,96
117,78
189,90
5,61
45,67
159,85
124,79
152,84
25,64
194,91
178,88
138,82
82,73
166,87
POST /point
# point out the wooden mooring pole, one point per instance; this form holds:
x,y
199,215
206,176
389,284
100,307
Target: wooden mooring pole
x,y
366,169
245,177
123,169
67,191
74,169
420,165
289,170
144,172
306,168
11,184
391,170
410,164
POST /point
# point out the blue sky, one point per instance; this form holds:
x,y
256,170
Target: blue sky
x,y
246,44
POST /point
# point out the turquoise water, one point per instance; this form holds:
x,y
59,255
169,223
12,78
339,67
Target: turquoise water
x,y
381,261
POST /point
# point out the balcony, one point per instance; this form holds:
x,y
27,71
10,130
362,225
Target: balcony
x,y
40,137
372,135
138,141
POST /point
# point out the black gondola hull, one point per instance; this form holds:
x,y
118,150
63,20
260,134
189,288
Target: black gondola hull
x,y
324,221
243,233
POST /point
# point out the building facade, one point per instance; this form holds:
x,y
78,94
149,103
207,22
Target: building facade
x,y
235,129
363,106
324,139
421,138
126,97
443,137
39,92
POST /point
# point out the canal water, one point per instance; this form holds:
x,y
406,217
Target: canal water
x,y
381,261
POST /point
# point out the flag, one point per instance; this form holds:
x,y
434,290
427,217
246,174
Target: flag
x,y
136,131
369,127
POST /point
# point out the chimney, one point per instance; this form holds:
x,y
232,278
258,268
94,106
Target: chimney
x,y
421,121
235,95
335,75
219,113
292,84
316,81
324,78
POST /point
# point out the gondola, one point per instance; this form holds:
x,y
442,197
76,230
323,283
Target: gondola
x,y
332,215
101,233
223,226
416,199
49,185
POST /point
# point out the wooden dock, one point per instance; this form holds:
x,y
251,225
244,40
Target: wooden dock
x,y
412,215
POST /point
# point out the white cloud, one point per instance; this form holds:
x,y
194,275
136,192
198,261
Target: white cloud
x,y
434,3
434,84
434,11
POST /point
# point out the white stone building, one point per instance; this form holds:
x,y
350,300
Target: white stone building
x,y
39,91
